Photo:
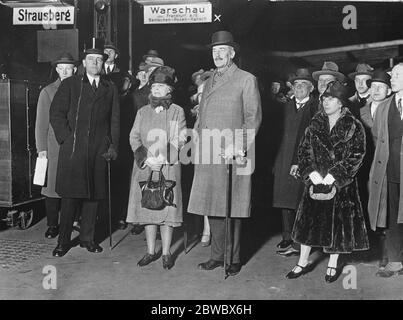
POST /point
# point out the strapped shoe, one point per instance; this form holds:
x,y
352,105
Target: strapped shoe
x,y
294,275
329,278
148,258
210,265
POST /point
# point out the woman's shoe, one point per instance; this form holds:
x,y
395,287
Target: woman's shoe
x,y
147,259
205,240
329,278
294,275
167,261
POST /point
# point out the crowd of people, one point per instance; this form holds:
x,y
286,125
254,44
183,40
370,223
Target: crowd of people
x,y
336,174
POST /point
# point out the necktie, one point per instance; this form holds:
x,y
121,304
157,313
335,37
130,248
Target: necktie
x,y
94,85
299,105
108,70
399,107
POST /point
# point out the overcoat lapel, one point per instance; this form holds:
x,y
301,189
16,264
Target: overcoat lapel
x,y
221,80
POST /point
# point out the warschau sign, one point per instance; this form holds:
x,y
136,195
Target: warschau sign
x,y
43,15
177,13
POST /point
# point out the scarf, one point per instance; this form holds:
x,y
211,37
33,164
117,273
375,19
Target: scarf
x,y
163,102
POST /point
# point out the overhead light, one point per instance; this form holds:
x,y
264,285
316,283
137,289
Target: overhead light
x,y
101,6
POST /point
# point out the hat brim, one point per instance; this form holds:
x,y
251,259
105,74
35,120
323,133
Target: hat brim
x,y
231,44
344,100
369,81
338,75
104,55
55,63
353,74
310,79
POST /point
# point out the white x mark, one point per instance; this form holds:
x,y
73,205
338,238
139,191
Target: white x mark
x,y
217,17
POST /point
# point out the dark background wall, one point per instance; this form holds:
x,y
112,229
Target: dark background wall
x,y
259,27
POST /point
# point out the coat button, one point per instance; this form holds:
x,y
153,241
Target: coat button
x,y
376,182
379,161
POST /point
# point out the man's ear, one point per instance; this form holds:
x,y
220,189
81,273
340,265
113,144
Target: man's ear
x,y
389,92
232,55
74,70
84,63
116,56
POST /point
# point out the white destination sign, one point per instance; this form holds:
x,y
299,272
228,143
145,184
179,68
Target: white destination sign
x,y
43,15
177,13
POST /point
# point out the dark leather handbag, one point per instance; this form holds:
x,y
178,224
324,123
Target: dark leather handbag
x,y
156,195
322,192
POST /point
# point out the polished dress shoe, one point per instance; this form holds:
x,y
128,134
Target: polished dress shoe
x,y
210,265
137,229
76,226
122,225
294,275
52,232
233,269
60,250
284,244
148,258
91,247
167,261
329,278
290,252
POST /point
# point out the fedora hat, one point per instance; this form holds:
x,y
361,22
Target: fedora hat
x,y
379,76
223,38
66,58
155,62
331,68
301,74
151,53
338,90
361,69
163,74
110,45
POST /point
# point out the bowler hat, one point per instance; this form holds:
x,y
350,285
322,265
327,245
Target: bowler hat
x,y
331,68
379,76
338,90
151,53
361,69
163,74
301,74
110,45
66,58
223,38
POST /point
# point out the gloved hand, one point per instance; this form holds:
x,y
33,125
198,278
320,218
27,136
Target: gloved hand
x,y
111,154
294,171
155,163
315,177
329,179
230,153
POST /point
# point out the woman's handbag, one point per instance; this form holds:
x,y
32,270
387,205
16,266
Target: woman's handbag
x,y
322,192
156,195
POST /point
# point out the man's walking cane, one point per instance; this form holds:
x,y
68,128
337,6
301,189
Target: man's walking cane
x,y
109,204
227,212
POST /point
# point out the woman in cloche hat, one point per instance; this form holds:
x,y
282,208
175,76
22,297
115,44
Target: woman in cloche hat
x,y
330,213
160,156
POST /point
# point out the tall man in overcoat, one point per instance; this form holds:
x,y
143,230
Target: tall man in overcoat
x,y
84,115
287,188
230,105
385,205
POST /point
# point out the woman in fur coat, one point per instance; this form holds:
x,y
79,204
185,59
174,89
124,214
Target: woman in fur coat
x,y
151,153
330,213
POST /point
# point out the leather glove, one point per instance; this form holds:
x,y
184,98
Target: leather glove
x,y
110,155
315,177
230,153
329,179
294,171
155,163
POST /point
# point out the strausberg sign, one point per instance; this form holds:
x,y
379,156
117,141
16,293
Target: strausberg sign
x,y
177,13
43,15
